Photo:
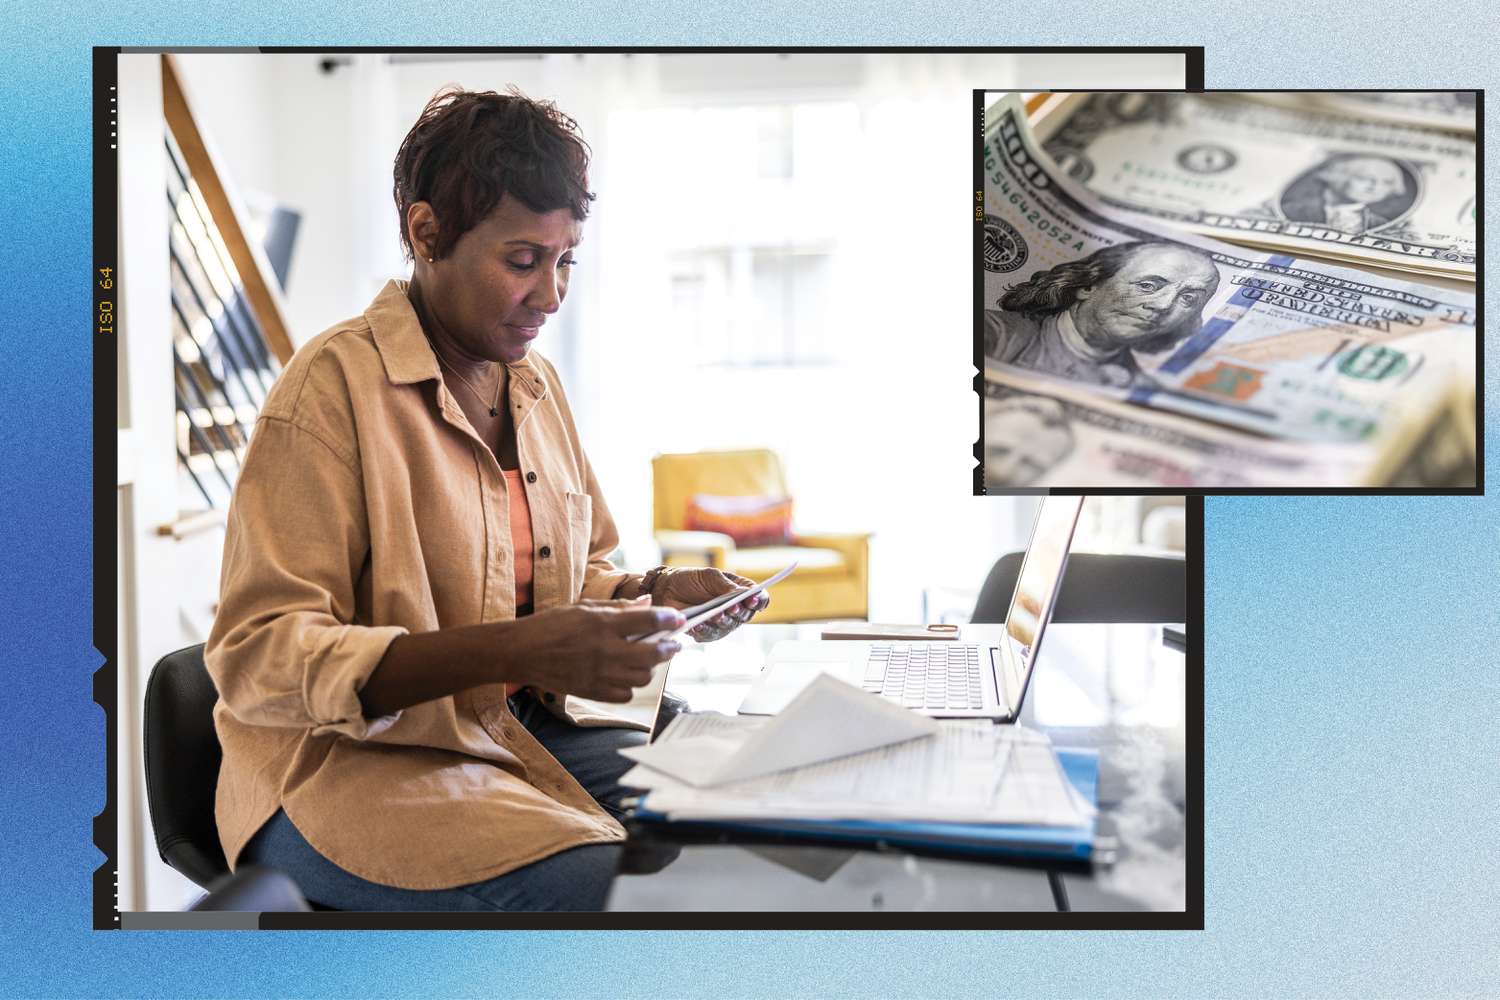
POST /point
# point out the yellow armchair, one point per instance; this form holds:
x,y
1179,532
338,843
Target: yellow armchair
x,y
833,570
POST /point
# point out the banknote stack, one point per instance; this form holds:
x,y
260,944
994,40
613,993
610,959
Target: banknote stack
x,y
1211,291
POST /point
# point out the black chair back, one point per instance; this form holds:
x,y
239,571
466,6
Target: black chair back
x,y
182,765
1096,588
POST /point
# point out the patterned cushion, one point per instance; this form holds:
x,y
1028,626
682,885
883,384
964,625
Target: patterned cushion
x,y
751,520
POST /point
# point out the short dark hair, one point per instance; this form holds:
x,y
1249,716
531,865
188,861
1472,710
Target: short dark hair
x,y
468,149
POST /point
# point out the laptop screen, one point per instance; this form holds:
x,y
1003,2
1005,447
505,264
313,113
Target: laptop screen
x,y
1037,587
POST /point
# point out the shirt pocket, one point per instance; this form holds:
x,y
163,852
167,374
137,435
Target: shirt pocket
x,y
579,508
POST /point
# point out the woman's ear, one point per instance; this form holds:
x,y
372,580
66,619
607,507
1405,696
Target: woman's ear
x,y
422,229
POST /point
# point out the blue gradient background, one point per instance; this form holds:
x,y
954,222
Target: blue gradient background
x,y
1352,745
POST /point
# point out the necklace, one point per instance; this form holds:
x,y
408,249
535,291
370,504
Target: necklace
x,y
494,406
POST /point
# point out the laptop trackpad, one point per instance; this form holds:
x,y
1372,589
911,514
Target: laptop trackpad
x,y
780,682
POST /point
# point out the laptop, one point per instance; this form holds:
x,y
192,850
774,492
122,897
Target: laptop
x,y
946,680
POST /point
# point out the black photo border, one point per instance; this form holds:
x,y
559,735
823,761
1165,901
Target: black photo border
x,y
1477,490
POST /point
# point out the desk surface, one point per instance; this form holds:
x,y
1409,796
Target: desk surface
x,y
1114,688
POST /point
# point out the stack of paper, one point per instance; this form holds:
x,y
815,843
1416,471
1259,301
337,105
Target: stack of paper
x,y
839,753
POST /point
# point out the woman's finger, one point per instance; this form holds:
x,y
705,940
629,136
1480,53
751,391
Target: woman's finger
x,y
717,581
718,626
712,629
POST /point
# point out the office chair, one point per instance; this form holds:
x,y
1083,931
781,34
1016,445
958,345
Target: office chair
x,y
182,771
1096,588
182,765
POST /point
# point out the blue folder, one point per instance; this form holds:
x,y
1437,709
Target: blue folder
x,y
1071,844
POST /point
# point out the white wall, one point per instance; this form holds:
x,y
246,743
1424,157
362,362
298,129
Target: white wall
x,y
232,97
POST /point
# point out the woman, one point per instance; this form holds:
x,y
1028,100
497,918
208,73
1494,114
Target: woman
x,y
415,573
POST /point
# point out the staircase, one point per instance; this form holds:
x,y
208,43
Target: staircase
x,y
229,334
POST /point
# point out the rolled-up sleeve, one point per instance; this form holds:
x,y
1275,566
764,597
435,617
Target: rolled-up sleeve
x,y
285,650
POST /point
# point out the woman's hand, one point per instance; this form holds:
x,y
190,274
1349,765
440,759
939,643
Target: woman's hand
x,y
583,649
684,587
580,649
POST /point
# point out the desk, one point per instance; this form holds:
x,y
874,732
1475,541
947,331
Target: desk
x,y
1113,688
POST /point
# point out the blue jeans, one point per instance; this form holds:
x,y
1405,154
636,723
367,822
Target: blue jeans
x,y
575,879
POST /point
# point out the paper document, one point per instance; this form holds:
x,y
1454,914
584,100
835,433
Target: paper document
x,y
828,719
969,771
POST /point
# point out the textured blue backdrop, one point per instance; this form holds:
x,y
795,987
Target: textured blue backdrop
x,y
1352,744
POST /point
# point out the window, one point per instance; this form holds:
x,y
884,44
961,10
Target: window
x,y
750,271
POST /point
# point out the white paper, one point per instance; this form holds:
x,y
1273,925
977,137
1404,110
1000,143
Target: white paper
x,y
1035,783
827,720
970,771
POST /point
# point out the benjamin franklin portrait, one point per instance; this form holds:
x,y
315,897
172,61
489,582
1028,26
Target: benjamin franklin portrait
x,y
1025,437
1082,320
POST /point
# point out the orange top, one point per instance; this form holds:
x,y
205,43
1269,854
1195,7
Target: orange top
x,y
520,540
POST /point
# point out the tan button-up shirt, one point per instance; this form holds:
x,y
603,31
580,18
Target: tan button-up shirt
x,y
367,507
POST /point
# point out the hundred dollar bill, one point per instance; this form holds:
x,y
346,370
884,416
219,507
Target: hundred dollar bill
x,y
1044,434
1135,310
1298,178
1452,110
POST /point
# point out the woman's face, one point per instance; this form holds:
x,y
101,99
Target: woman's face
x,y
502,279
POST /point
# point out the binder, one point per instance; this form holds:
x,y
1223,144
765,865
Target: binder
x,y
1049,845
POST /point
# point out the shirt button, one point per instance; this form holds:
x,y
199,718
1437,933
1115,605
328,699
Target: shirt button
x,y
544,551
531,477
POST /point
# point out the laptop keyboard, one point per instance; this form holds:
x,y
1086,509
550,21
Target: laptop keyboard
x,y
927,674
